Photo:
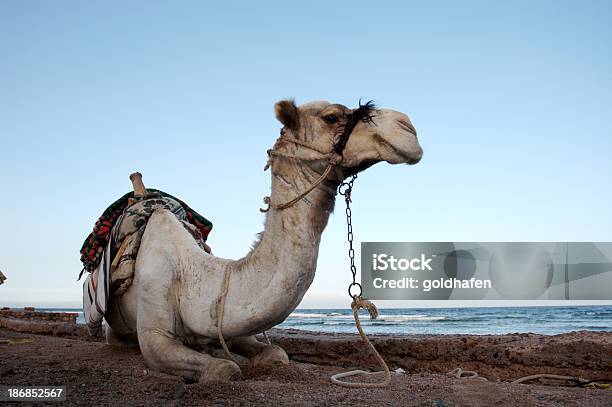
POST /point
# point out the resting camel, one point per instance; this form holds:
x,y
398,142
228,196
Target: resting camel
x,y
171,306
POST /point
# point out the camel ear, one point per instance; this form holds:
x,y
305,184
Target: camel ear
x,y
287,113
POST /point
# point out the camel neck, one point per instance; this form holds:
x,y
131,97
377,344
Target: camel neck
x,y
282,265
295,232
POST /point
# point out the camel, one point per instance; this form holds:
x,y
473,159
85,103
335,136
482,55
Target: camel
x,y
171,307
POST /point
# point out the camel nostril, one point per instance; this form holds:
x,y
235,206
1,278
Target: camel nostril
x,y
407,126
416,158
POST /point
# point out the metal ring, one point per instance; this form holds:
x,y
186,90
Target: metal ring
x,y
346,186
351,286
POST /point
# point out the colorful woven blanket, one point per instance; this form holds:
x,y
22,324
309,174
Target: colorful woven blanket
x,y
93,247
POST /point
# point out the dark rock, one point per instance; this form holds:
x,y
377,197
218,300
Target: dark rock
x,y
180,390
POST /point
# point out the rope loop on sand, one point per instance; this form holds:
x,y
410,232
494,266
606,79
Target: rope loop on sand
x,y
575,379
357,304
459,373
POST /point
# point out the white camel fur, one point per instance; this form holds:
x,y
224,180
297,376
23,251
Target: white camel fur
x,y
170,309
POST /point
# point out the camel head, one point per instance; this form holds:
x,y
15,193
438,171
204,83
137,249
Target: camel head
x,y
377,134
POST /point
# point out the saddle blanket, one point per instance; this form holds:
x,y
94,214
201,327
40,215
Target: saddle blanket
x,y
121,233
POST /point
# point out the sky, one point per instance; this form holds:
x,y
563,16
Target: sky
x,y
511,100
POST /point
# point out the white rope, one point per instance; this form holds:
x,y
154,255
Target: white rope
x,y
358,303
459,373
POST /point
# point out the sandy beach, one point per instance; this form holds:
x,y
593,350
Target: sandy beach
x,y
96,373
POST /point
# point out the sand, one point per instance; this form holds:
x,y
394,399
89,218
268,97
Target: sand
x,y
97,374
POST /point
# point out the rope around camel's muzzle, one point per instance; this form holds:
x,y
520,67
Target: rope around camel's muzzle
x,y
358,303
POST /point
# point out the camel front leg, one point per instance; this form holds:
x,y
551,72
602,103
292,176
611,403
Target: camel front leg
x,y
165,354
259,354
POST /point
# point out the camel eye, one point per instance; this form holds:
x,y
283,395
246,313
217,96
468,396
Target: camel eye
x,y
331,118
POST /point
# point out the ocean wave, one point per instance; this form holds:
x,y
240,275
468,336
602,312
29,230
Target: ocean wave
x,y
352,323
381,320
406,318
389,318
367,322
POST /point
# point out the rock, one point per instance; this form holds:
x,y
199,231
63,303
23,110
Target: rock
x,y
180,390
7,372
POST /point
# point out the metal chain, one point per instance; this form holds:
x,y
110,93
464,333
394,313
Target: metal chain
x,y
345,189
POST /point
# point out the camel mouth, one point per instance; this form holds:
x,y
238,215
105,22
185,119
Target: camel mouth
x,y
405,158
361,167
403,153
411,159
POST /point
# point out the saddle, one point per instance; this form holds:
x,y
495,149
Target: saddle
x,y
109,252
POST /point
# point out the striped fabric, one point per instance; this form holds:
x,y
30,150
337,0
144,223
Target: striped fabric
x,y
96,293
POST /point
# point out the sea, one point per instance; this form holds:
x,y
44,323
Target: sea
x,y
475,321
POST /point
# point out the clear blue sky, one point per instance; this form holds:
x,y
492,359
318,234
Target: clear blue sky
x,y
512,102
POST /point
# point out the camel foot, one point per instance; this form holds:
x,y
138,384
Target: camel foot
x,y
222,370
270,355
259,354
